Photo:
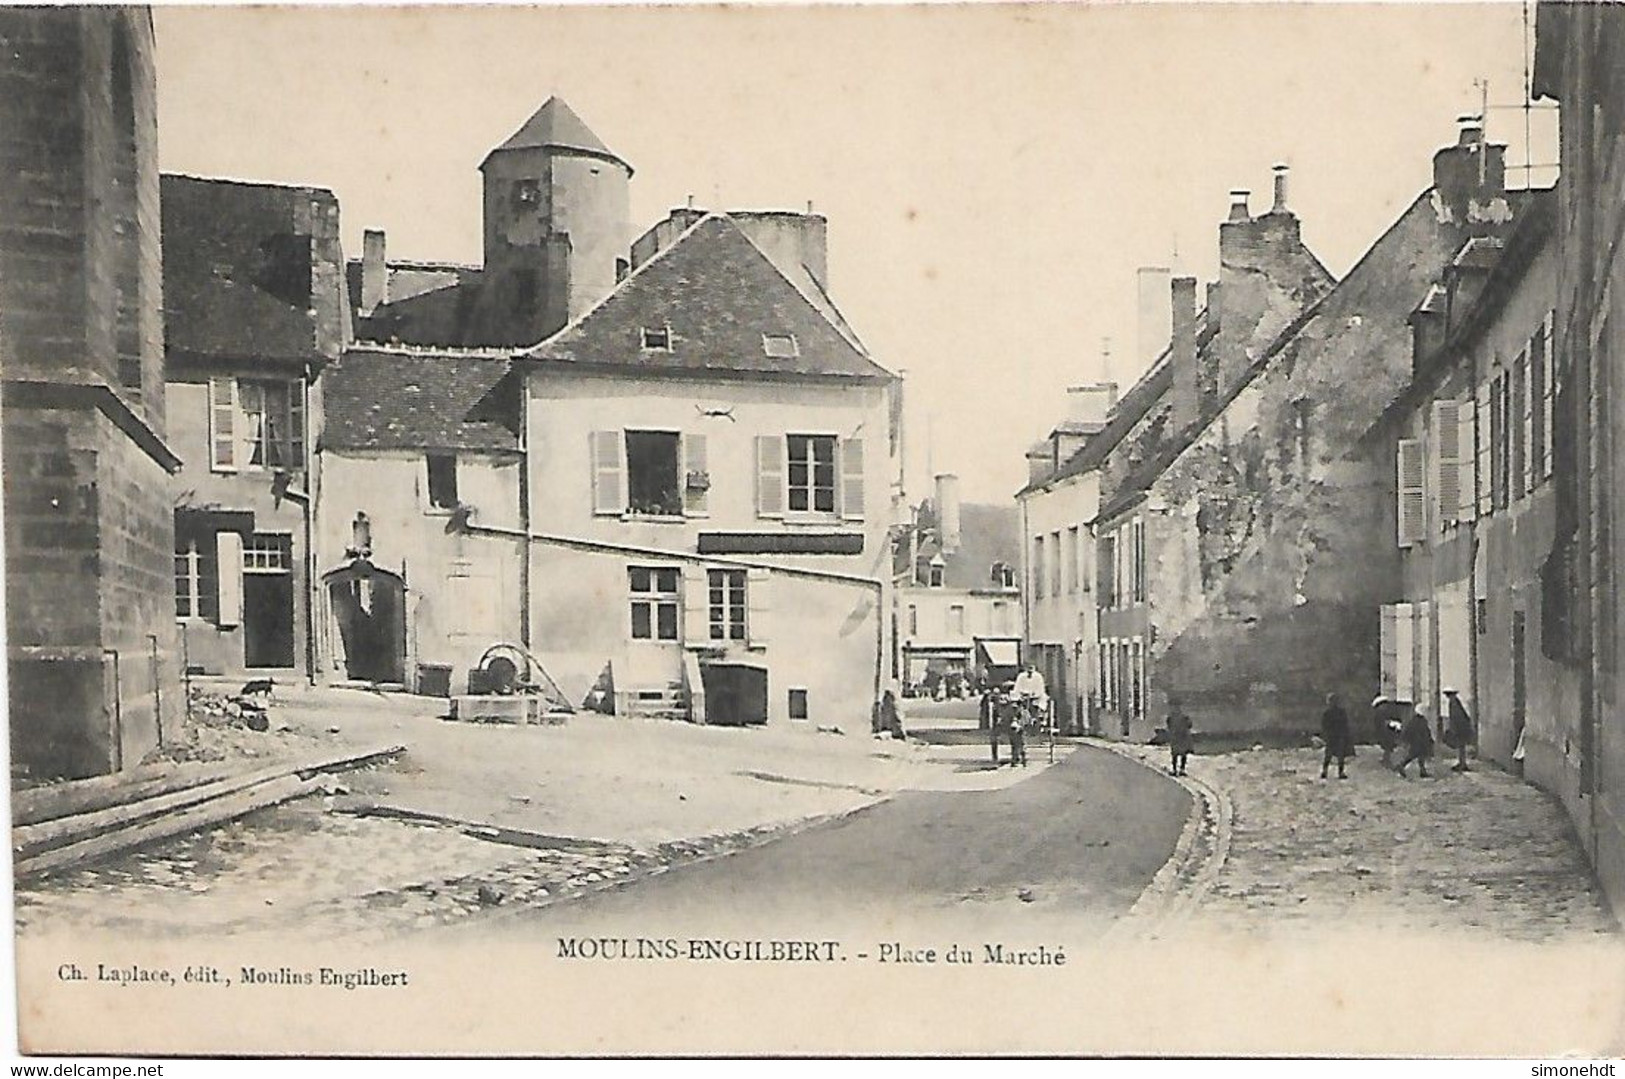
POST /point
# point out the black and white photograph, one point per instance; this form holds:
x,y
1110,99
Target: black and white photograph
x,y
952,530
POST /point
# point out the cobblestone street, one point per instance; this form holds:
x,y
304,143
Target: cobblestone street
x,y
1484,854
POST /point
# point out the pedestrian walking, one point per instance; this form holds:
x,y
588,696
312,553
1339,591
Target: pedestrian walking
x,y
1387,728
1180,737
889,717
1418,742
1458,729
1002,712
1338,739
1020,716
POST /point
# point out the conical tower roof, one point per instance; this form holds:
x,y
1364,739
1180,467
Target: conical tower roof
x,y
555,126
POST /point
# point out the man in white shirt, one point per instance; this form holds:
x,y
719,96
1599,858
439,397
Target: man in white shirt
x,y
1031,691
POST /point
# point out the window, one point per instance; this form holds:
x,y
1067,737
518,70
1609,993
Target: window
x,y
1518,425
1003,576
1448,458
798,704
1411,511
1137,531
526,193
657,338
1500,442
1055,564
442,480
956,620
812,473
273,424
265,552
1108,571
652,466
196,589
727,604
1539,407
780,346
1072,559
1038,567
655,593
256,424
913,620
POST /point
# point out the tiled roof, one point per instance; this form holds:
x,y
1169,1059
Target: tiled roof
x,y
556,126
245,266
720,295
420,399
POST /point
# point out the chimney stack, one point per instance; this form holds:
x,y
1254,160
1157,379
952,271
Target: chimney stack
x,y
1239,210
1469,179
374,271
1153,330
948,511
1280,191
1185,392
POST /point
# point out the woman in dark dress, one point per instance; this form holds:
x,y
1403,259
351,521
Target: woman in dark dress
x,y
1180,737
1335,733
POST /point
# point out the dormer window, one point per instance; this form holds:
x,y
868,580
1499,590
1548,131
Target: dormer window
x,y
780,346
935,573
657,338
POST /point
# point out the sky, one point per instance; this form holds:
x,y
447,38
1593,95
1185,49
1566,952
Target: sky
x,y
993,174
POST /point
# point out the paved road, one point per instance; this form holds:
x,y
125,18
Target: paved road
x,y
1077,841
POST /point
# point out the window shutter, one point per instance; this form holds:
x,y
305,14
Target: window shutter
x,y
608,472
1467,464
1412,510
228,548
1422,688
1550,395
696,500
696,607
758,590
852,479
1482,473
1404,653
223,424
1390,651
1447,461
770,475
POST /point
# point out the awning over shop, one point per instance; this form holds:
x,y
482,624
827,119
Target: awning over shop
x,y
999,651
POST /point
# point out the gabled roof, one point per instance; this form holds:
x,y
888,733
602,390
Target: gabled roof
x,y
555,126
419,399
988,533
719,295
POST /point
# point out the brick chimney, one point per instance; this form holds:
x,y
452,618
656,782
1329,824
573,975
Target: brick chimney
x,y
1185,394
374,271
948,511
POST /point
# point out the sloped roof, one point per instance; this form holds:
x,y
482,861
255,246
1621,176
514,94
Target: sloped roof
x,y
419,399
555,126
244,264
1373,303
720,295
988,533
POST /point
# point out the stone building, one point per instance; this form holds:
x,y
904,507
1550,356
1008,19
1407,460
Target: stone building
x,y
1473,508
681,488
254,312
91,643
1580,61
1254,559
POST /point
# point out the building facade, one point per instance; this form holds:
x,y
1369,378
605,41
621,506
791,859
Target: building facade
x,y
92,650
1580,61
255,311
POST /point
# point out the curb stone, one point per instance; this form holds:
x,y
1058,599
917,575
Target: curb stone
x,y
1187,876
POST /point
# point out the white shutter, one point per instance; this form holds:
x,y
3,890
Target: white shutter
x,y
758,592
1526,418
696,607
1412,508
223,424
1390,651
1423,689
770,475
608,452
228,548
1467,464
1404,653
1447,462
852,479
1482,473
696,500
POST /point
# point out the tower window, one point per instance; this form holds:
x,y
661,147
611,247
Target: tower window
x,y
526,193
657,338
780,346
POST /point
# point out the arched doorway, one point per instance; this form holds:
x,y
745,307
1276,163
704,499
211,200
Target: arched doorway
x,y
369,605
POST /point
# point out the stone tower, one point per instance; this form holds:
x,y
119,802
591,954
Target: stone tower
x,y
557,220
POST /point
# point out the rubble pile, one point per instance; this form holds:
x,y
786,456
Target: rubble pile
x,y
225,726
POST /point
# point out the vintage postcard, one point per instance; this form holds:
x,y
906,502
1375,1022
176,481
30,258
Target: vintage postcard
x,y
1005,529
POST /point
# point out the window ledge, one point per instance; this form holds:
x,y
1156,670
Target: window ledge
x,y
653,518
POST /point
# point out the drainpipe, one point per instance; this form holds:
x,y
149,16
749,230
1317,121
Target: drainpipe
x,y
524,511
